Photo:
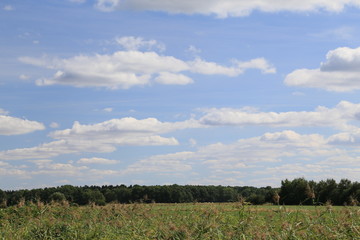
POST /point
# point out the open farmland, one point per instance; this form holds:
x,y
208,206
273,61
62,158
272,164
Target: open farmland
x,y
179,221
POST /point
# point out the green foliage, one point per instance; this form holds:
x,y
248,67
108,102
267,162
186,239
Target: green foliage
x,y
301,191
292,192
57,197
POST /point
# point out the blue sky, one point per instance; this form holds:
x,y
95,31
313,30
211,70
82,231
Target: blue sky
x,y
186,92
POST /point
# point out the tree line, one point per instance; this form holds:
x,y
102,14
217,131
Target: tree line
x,y
292,192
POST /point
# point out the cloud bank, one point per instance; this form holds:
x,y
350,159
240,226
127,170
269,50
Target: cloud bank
x,y
16,126
340,117
339,73
226,8
102,137
272,156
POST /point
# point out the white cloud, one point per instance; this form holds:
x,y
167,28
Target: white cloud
x,y
339,73
125,69
55,148
211,68
8,8
122,69
7,169
226,8
125,130
96,160
57,170
48,167
193,50
15,126
173,79
339,117
131,43
275,156
245,156
257,63
167,163
349,138
342,59
102,137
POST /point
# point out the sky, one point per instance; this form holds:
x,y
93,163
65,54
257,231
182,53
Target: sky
x,y
201,92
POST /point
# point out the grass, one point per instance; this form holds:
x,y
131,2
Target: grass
x,y
179,221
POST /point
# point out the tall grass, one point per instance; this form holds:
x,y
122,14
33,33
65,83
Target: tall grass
x,y
178,221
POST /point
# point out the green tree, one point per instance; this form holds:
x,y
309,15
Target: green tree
x,y
295,192
57,197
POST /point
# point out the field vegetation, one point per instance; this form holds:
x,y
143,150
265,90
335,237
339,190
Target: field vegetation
x,y
178,221
299,209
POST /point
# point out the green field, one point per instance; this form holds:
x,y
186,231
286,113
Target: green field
x,y
179,221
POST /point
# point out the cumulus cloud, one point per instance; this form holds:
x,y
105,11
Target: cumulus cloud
x,y
349,138
119,70
242,157
96,160
225,8
102,137
15,126
124,130
257,63
126,69
339,117
273,156
339,73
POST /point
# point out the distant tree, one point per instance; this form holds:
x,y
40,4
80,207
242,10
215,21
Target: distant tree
x,y
15,197
256,199
3,199
295,192
123,194
57,197
110,195
326,191
95,196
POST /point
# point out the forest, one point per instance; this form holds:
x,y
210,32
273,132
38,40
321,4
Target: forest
x,y
298,191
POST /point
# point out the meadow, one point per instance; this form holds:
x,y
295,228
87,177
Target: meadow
x,y
178,221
